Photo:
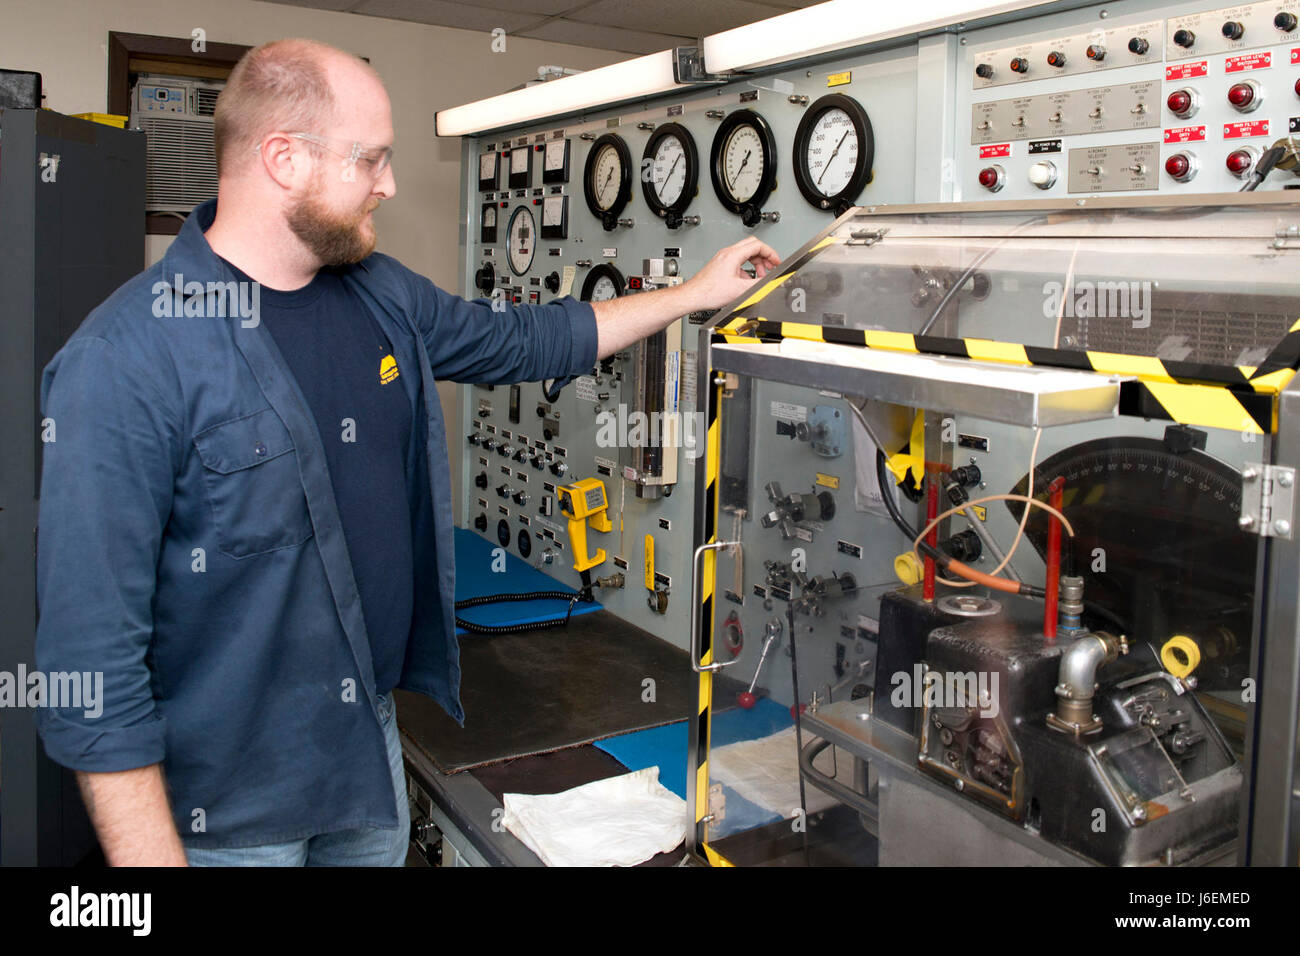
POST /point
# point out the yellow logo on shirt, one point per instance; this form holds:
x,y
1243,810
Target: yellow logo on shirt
x,y
387,370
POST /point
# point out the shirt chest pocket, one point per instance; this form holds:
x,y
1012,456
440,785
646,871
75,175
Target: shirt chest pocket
x,y
251,475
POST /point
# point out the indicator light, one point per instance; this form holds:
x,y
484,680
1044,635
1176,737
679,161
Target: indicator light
x,y
1096,52
1297,87
1286,22
984,71
1241,161
1056,59
1182,103
1185,39
992,178
1181,167
1138,46
1233,30
1244,96
1019,65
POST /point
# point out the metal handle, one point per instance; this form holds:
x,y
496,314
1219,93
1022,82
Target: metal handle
x,y
695,608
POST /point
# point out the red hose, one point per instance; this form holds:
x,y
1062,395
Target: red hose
x,y
932,539
1053,584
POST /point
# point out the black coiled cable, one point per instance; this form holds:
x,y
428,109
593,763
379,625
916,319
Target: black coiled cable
x,y
583,595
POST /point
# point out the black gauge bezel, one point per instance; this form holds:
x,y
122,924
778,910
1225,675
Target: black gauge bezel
x,y
607,270
671,213
562,230
519,180
490,185
561,175
510,228
487,235
608,217
841,202
751,209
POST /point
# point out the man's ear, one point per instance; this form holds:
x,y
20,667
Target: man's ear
x,y
284,164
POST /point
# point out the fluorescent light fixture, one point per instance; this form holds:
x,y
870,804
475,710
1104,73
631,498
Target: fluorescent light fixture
x,y
839,25
642,76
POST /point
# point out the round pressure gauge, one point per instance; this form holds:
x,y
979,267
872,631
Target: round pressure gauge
x,y
604,282
670,170
607,180
743,164
833,152
521,240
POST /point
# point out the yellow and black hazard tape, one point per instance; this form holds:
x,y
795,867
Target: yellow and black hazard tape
x,y
773,282
712,467
1232,397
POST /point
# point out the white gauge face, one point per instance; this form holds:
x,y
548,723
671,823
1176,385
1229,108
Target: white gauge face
x,y
606,177
490,217
553,210
603,290
742,163
487,166
519,159
832,152
522,240
555,150
668,172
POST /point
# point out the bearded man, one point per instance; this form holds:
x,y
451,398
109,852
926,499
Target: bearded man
x,y
245,518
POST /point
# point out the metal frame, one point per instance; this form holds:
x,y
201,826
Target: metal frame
x,y
1269,824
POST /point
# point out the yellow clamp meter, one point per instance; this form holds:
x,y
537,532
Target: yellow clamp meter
x,y
581,502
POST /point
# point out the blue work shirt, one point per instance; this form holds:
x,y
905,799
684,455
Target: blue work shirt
x,y
190,547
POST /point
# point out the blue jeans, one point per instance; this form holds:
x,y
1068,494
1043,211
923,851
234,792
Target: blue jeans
x,y
366,846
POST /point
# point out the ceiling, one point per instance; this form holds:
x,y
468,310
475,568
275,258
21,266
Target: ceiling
x,y
624,26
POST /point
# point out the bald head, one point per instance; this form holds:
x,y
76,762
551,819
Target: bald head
x,y
291,85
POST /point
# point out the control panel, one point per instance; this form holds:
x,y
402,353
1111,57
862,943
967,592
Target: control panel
x,y
1135,98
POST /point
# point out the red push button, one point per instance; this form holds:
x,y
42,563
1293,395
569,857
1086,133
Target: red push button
x,y
1179,167
992,178
1180,103
1240,162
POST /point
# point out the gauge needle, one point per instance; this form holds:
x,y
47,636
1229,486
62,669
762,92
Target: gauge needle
x,y
608,178
732,181
834,153
672,167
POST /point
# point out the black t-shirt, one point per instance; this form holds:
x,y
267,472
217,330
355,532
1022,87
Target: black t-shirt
x,y
344,365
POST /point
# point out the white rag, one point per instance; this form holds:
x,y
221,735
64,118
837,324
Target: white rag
x,y
620,821
766,772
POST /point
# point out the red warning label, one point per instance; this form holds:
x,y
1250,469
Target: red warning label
x,y
1244,129
992,152
1186,71
1185,134
1250,61
1295,55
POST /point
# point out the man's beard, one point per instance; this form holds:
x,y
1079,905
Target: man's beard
x,y
334,240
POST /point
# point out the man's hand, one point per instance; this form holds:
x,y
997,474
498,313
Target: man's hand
x,y
722,279
631,318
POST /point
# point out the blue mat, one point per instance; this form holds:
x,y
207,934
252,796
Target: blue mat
x,y
666,747
475,578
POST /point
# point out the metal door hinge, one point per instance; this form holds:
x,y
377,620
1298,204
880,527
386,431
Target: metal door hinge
x,y
1267,500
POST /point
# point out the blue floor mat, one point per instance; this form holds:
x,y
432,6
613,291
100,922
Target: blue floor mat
x,y
667,747
475,578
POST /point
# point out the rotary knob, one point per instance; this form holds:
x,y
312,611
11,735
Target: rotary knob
x,y
485,278
481,523
552,283
520,497
481,479
559,469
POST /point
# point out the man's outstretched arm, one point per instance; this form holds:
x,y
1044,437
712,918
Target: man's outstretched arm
x,y
621,322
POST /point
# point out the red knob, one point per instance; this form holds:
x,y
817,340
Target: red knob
x,y
1239,162
746,700
991,178
1178,166
1241,95
1179,102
